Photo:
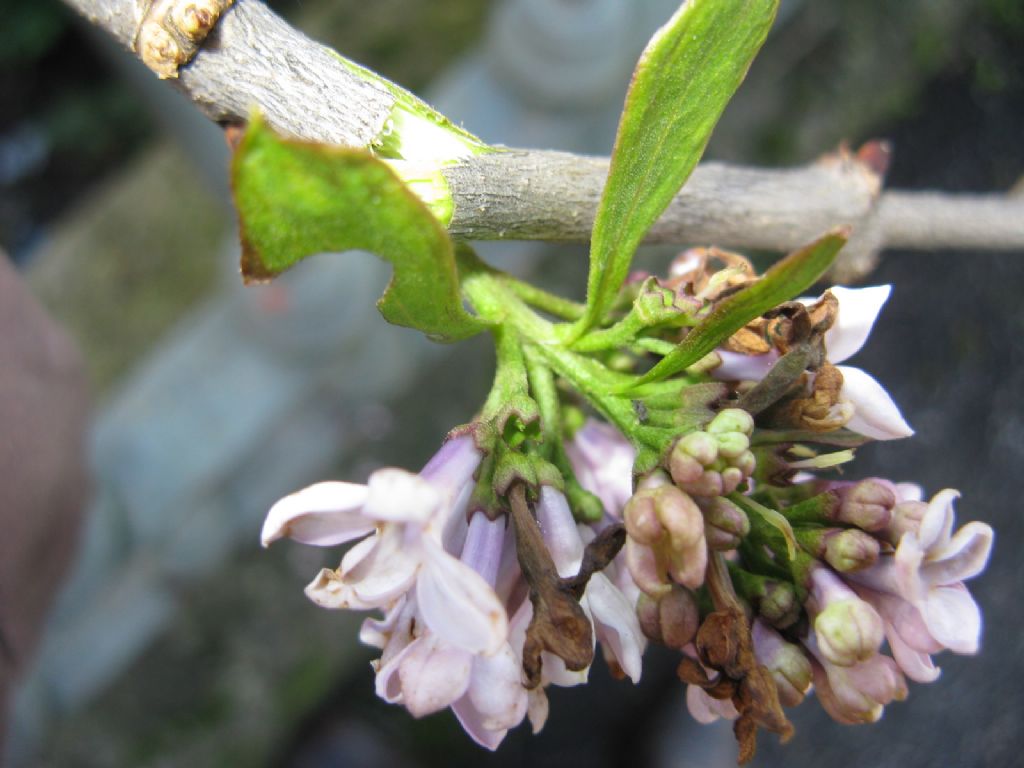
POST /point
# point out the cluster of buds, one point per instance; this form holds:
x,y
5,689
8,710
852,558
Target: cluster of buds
x,y
715,461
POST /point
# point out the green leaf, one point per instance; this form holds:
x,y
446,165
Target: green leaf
x,y
784,280
296,199
689,71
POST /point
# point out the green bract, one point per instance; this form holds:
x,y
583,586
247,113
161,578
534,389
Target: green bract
x,y
686,76
296,199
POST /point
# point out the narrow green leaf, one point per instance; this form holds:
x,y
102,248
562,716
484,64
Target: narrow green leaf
x,y
783,281
689,71
296,199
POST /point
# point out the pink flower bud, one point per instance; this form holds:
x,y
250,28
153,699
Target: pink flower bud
x,y
867,504
849,630
850,550
789,666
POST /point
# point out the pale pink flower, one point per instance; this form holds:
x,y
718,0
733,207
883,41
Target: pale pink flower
x,y
602,460
613,615
788,665
425,673
705,709
875,415
415,521
928,569
849,630
857,693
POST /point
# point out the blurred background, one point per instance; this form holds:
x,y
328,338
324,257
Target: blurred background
x,y
177,641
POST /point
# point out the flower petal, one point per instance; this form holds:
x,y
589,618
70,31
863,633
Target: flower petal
x,y
706,710
399,496
453,466
858,310
916,665
739,367
373,574
433,675
876,416
953,618
909,492
560,533
554,672
496,690
537,709
472,722
603,461
324,515
964,557
616,624
458,605
908,559
937,522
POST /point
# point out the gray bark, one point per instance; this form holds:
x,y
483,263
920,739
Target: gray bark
x,y
255,59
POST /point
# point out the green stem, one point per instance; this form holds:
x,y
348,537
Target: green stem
x,y
510,375
657,346
619,335
542,385
543,300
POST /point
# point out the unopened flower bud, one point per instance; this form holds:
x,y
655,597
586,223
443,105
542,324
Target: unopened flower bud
x,y
648,613
732,420
700,445
719,540
906,518
851,550
671,620
649,572
680,516
689,566
708,484
732,445
722,513
867,505
725,524
746,463
779,604
849,630
731,479
641,517
788,665
845,549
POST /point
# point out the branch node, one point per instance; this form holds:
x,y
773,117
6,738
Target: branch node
x,y
171,32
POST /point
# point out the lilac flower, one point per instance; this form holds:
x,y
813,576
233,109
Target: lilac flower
x,y
415,521
425,673
616,626
603,462
875,415
849,630
857,693
705,709
927,571
666,537
789,667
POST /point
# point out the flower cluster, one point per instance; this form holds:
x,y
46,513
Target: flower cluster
x,y
455,604
719,533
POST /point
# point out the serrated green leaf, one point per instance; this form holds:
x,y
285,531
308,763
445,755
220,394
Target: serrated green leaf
x,y
783,281
297,199
686,76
